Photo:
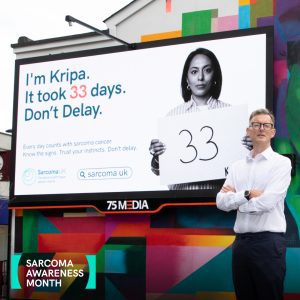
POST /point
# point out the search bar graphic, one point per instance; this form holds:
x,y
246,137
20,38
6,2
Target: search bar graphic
x,y
104,173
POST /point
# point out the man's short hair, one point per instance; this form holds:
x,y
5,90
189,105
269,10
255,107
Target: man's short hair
x,y
262,111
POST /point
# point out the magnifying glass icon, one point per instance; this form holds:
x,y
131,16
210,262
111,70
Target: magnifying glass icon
x,y
82,174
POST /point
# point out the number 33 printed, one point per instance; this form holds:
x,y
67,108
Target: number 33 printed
x,y
193,148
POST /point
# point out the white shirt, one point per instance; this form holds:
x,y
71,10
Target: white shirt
x,y
269,172
191,106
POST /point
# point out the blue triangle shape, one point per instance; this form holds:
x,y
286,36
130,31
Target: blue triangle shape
x,y
111,292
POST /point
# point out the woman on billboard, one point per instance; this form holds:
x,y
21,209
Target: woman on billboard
x,y
201,84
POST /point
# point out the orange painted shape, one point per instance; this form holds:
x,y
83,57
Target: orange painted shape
x,y
160,36
191,231
19,213
131,229
70,242
190,240
216,295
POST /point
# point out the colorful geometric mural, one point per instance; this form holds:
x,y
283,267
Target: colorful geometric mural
x,y
178,253
137,256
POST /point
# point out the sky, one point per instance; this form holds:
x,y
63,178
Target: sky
x,y
38,20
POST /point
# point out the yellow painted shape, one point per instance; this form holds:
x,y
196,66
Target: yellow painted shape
x,y
244,2
160,36
76,258
67,281
209,240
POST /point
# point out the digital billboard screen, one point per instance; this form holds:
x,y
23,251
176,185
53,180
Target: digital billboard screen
x,y
164,120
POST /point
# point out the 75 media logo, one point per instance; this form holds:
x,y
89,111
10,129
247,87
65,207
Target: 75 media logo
x,y
115,205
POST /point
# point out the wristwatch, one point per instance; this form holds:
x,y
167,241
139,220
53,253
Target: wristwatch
x,y
247,195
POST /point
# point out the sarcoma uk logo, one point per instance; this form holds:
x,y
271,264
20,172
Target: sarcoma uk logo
x,y
29,176
42,273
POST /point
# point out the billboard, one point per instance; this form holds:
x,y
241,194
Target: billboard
x,y
117,123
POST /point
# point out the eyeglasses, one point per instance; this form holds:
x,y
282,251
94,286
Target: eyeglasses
x,y
265,126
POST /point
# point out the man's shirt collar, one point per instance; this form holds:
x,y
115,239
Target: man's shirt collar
x,y
267,154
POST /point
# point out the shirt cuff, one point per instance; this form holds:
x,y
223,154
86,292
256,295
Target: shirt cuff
x,y
248,208
241,198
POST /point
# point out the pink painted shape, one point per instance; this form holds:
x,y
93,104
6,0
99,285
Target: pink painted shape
x,y
280,71
168,265
168,6
78,224
227,23
109,228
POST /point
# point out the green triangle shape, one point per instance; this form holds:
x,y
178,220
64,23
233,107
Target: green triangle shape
x,y
210,277
45,226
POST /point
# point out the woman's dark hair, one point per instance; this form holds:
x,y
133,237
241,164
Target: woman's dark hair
x,y
216,86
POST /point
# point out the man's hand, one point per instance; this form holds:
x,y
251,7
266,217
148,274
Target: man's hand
x,y
255,193
227,188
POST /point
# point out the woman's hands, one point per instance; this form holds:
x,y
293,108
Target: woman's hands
x,y
157,147
247,142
